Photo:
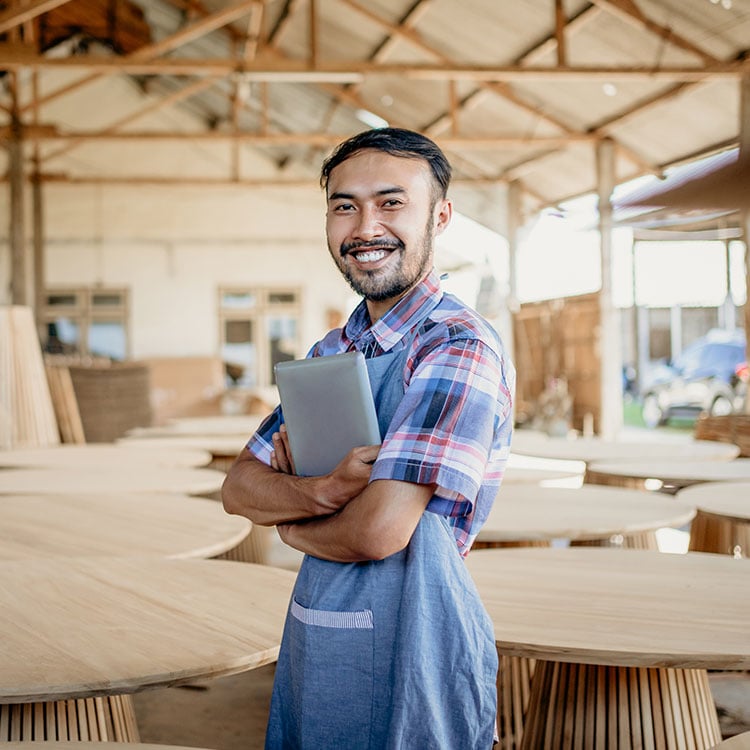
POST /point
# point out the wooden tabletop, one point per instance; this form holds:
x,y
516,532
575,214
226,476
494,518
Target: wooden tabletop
x,y
617,607
78,627
677,472
530,443
89,745
141,523
107,480
239,425
526,513
99,455
216,445
730,500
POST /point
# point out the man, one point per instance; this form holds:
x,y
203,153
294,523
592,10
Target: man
x,y
386,643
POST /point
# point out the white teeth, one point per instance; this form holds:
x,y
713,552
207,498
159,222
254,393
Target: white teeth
x,y
370,256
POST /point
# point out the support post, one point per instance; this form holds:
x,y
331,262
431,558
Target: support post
x,y
610,333
514,225
20,283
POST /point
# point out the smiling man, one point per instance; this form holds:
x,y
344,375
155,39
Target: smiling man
x,y
386,643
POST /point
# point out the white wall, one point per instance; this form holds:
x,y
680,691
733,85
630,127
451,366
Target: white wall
x,y
173,248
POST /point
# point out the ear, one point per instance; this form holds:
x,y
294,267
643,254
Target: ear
x,y
442,215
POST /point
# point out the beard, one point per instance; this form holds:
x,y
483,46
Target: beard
x,y
379,286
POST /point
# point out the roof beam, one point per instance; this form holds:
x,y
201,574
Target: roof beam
x,y
22,14
188,33
111,130
560,24
300,71
630,12
47,133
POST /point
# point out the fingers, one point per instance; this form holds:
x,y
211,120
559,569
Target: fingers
x,y
281,457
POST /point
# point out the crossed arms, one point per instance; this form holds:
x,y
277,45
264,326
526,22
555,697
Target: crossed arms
x,y
337,516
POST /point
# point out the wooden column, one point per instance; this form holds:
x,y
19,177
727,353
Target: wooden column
x,y
37,204
20,282
514,224
610,345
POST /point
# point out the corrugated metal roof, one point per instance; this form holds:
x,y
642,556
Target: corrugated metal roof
x,y
509,95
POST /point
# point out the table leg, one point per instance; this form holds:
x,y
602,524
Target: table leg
x,y
711,533
637,540
104,719
620,708
513,689
253,548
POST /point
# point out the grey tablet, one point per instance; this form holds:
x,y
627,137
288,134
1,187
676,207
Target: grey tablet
x,y
328,409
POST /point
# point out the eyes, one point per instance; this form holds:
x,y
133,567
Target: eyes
x,y
388,204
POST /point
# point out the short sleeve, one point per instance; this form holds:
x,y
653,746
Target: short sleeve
x,y
446,429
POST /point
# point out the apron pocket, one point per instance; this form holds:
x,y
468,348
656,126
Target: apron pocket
x,y
332,655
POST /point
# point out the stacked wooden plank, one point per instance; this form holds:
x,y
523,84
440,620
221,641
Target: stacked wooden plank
x,y
65,403
27,417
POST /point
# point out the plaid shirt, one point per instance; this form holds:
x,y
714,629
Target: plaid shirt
x,y
453,426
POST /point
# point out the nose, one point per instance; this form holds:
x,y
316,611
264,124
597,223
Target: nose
x,y
368,224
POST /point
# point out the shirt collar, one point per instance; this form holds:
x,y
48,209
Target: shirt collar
x,y
401,318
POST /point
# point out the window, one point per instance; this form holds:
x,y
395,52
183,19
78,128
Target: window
x,y
258,328
87,322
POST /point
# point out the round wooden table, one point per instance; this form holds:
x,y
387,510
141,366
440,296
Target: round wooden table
x,y
224,450
101,455
239,425
80,634
90,745
169,525
524,515
130,478
673,475
622,641
597,449
722,523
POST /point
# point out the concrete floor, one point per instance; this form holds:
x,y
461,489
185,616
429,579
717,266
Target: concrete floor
x,y
230,713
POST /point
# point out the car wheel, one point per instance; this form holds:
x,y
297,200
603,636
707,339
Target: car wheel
x,y
721,407
653,414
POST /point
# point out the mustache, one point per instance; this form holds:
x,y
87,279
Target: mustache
x,y
348,247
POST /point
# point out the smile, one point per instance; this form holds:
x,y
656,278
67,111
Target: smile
x,y
369,256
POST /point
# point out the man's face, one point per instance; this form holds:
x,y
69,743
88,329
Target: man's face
x,y
381,222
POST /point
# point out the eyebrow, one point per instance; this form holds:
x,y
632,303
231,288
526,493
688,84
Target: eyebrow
x,y
350,196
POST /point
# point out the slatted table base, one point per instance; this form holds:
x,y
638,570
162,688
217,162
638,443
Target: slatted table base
x,y
103,719
712,533
636,540
513,690
619,708
253,548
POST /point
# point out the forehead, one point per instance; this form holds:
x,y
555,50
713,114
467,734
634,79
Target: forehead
x,y
371,172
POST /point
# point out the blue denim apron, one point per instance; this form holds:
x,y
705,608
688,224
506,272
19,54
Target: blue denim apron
x,y
396,653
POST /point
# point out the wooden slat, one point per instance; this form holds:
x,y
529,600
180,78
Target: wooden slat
x,y
27,417
619,708
108,719
65,404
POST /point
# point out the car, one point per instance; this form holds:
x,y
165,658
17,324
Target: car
x,y
703,378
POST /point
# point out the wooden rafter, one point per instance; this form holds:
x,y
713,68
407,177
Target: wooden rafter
x,y
114,128
300,71
629,11
188,33
288,139
20,14
560,30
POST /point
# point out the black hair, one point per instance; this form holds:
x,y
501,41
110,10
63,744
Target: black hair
x,y
397,142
